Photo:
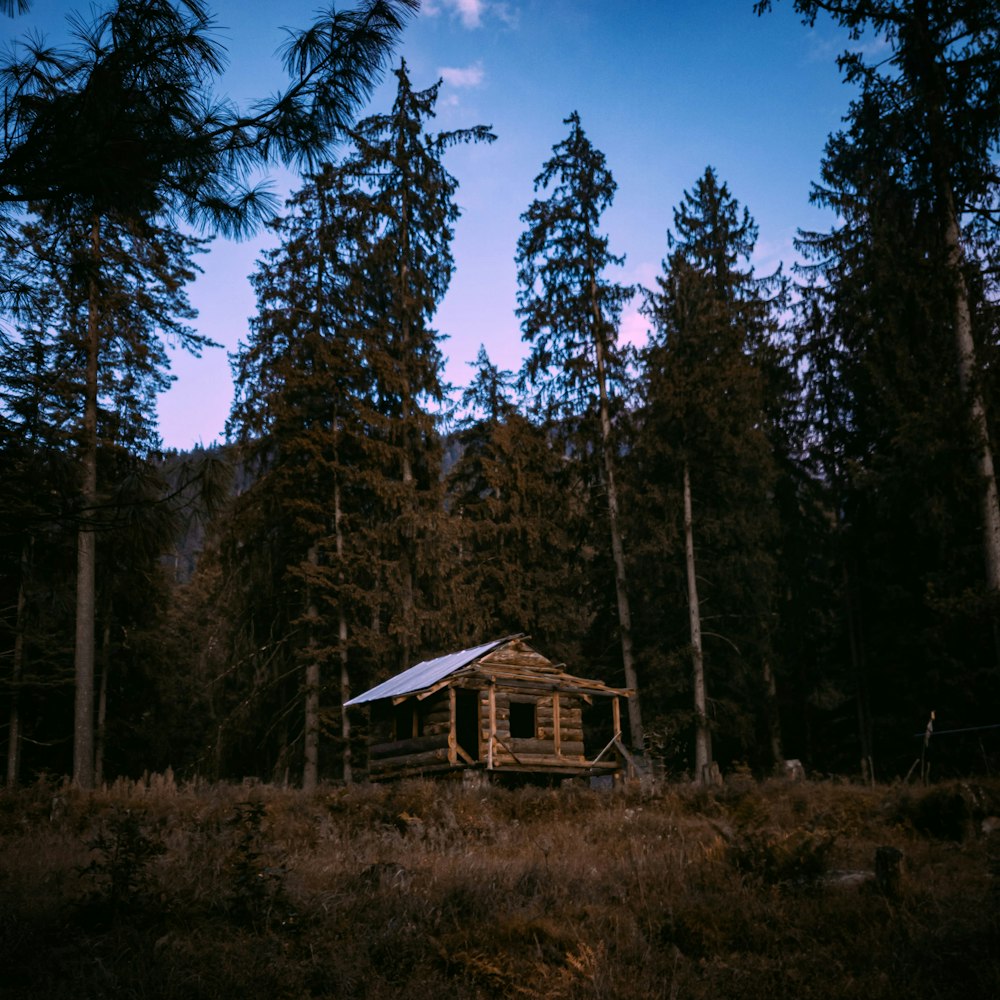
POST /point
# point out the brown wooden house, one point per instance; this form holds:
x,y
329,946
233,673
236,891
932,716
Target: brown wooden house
x,y
501,707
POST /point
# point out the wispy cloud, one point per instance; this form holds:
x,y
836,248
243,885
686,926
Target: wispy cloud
x,y
826,45
469,12
472,12
462,76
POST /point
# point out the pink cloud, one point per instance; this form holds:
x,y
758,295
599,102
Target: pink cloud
x,y
634,327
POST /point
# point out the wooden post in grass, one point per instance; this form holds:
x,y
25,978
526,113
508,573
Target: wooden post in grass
x,y
888,865
925,764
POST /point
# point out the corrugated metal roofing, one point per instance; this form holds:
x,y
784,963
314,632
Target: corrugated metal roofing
x,y
426,674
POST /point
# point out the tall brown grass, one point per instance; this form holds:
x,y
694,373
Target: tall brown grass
x,y
434,890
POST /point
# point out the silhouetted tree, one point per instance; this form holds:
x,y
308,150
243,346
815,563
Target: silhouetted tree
x,y
706,454
121,130
569,314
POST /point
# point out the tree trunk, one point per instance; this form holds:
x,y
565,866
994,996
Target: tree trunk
x,y
860,682
702,734
345,679
16,674
931,77
968,380
310,767
86,548
102,704
636,733
772,715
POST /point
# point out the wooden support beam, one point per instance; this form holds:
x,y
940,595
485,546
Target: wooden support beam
x,y
556,730
633,767
611,743
493,725
453,746
433,690
510,750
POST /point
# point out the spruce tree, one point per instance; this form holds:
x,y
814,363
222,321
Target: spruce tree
x,y
300,387
892,440
904,308
704,449
936,101
520,521
569,314
404,188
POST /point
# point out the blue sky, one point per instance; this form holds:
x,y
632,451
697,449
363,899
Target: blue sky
x,y
663,87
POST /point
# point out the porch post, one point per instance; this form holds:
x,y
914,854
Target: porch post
x,y
452,729
493,724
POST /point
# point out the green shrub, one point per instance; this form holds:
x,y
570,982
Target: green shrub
x,y
125,849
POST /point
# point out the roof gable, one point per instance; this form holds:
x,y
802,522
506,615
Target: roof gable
x,y
509,660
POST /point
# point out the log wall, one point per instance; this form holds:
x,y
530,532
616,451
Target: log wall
x,y
435,749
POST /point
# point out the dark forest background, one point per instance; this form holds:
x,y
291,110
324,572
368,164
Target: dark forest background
x,y
777,522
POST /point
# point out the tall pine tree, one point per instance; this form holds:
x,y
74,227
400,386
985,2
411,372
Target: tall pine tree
x,y
407,265
705,452
299,385
570,313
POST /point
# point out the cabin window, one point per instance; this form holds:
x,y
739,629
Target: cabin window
x,y
407,719
522,720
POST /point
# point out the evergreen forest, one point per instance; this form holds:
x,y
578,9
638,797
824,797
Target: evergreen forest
x,y
776,523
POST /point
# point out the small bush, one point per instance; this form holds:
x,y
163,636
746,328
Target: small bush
x,y
120,872
944,813
796,858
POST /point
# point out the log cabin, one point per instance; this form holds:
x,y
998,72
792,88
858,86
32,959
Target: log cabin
x,y
501,708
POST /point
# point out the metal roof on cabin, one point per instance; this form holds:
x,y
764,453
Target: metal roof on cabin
x,y
426,674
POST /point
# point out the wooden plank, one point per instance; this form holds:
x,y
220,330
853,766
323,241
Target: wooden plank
x,y
543,761
530,745
541,688
410,760
556,728
438,706
403,748
508,748
417,771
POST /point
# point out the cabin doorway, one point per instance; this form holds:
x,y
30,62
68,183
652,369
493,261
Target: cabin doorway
x,y
467,723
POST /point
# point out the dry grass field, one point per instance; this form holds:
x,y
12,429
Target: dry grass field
x,y
427,890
